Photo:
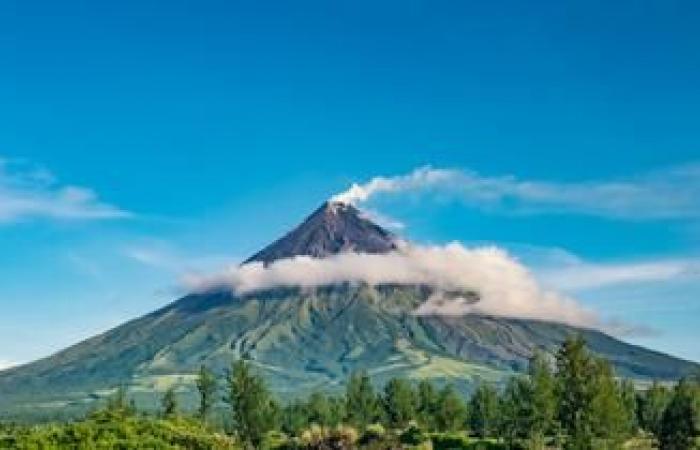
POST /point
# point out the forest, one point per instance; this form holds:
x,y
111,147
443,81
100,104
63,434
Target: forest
x,y
571,400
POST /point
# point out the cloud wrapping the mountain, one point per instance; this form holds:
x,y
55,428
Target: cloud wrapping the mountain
x,y
663,194
505,287
27,192
7,364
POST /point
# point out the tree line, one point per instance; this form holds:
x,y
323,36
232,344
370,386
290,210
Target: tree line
x,y
572,400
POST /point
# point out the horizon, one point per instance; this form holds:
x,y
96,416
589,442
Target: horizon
x,y
142,143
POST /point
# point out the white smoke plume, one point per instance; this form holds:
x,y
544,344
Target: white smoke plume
x,y
670,193
505,287
421,178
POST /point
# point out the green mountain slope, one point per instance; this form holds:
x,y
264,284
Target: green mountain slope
x,y
302,340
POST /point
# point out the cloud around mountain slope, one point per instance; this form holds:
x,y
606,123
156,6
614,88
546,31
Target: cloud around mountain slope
x,y
663,194
6,364
505,287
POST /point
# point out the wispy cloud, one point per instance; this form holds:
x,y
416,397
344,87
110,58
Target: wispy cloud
x,y
29,192
165,257
579,276
85,265
504,287
664,194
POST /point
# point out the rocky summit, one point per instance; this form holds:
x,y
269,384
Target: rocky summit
x,y
333,228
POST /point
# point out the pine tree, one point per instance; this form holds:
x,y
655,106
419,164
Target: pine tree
x,y
362,404
607,412
483,411
679,421
428,402
169,404
450,413
652,405
336,406
544,401
574,388
206,385
516,410
253,411
399,401
630,399
294,418
318,410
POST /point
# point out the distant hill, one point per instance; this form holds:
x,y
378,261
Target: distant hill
x,y
305,339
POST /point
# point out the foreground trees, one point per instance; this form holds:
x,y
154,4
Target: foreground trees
x,y
399,402
651,406
572,401
253,410
679,422
206,386
362,404
592,409
483,411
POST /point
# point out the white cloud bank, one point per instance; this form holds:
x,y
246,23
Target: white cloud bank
x,y
671,193
505,287
27,192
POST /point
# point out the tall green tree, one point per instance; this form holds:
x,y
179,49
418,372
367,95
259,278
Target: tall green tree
x,y
483,411
516,411
399,401
319,410
609,416
169,404
362,404
652,405
336,406
206,385
574,387
253,410
679,423
427,404
544,400
450,410
294,418
630,399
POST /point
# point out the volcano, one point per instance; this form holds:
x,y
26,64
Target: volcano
x,y
305,339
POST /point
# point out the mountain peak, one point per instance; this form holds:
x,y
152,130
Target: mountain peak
x,y
335,227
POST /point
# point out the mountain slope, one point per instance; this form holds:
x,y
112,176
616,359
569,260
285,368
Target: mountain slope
x,y
304,339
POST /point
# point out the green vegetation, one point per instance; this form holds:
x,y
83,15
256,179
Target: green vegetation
x,y
253,410
573,402
206,386
301,341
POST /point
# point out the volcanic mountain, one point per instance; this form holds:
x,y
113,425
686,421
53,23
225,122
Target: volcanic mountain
x,y
304,339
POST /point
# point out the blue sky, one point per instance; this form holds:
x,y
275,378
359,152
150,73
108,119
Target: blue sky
x,y
196,132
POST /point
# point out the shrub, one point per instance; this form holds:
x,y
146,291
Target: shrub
x,y
458,441
412,436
